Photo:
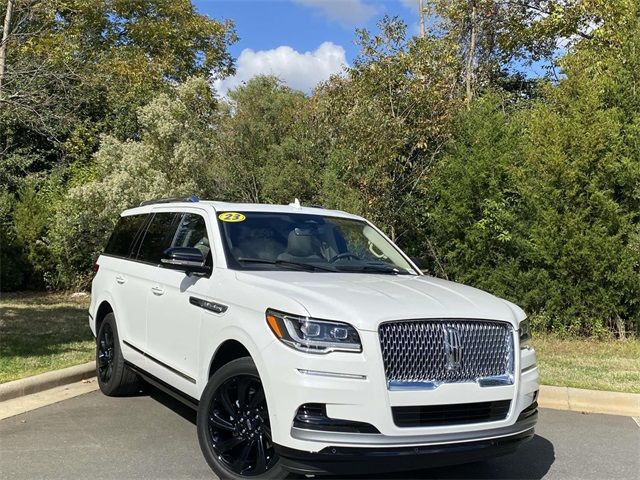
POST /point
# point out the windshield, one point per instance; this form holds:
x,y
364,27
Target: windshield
x,y
296,241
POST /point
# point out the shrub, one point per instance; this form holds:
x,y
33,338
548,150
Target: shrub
x,y
546,217
36,206
14,270
168,160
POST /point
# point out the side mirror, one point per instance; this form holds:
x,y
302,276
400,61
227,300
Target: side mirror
x,y
186,259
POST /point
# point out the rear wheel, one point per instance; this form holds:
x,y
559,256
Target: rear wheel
x,y
114,377
233,424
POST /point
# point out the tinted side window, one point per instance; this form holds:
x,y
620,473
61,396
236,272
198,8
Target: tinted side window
x,y
158,236
192,232
124,235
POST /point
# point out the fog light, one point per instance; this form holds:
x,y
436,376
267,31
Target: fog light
x,y
313,416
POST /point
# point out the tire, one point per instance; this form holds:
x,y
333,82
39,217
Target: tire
x,y
114,377
235,442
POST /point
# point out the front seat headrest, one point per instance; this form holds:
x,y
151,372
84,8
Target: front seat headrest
x,y
300,245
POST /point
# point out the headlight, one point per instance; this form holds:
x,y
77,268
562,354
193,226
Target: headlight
x,y
311,335
525,333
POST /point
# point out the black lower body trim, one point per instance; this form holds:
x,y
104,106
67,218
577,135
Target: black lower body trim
x,y
162,364
165,387
352,460
530,411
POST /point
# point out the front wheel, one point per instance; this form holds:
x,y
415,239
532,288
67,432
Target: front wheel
x,y
233,424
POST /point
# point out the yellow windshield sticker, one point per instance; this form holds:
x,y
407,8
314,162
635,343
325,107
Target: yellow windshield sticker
x,y
231,217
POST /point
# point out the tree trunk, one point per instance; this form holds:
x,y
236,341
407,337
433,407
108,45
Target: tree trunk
x,y
471,53
5,40
421,11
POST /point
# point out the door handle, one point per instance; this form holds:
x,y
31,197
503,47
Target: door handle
x,y
157,291
120,279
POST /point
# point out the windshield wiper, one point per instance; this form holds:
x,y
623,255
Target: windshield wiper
x,y
286,263
371,268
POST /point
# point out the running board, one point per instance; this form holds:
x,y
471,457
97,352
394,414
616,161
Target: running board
x,y
187,400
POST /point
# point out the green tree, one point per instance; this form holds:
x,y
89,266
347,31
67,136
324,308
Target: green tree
x,y
266,144
581,179
38,200
541,205
385,123
172,157
496,38
477,223
14,269
76,69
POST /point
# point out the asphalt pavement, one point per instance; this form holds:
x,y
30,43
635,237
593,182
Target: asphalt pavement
x,y
152,436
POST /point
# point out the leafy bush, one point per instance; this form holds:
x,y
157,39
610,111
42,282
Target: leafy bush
x,y
14,269
547,217
168,160
533,195
36,206
477,224
265,145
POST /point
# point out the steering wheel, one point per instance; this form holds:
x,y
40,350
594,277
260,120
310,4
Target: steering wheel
x,y
344,255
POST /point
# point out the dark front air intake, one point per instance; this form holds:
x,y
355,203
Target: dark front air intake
x,y
313,416
444,415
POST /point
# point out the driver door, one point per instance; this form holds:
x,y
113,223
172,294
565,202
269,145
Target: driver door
x,y
173,323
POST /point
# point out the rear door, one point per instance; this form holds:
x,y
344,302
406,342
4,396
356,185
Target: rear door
x,y
173,323
141,275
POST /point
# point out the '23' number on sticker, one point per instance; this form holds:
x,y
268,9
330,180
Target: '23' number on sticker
x,y
231,217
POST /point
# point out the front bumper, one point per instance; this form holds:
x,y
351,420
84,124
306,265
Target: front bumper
x,y
362,396
375,459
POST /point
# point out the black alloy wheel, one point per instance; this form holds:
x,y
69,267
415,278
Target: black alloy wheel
x,y
115,378
233,424
105,355
239,426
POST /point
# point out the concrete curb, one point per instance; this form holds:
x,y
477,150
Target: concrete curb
x,y
45,381
590,401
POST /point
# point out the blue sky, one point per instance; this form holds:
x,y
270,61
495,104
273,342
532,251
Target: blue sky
x,y
300,41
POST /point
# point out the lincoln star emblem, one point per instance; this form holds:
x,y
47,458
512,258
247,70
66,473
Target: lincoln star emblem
x,y
452,348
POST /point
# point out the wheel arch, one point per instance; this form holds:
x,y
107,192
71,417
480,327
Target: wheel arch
x,y
229,350
234,344
104,309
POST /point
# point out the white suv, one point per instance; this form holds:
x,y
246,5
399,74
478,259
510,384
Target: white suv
x,y
308,341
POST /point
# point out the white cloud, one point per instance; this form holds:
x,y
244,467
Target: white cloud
x,y
301,71
348,12
412,4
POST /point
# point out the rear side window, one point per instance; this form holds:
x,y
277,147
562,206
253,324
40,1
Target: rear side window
x,y
124,235
158,236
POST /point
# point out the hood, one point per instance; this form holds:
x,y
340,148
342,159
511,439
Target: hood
x,y
366,300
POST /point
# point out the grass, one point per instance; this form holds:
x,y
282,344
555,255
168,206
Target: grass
x,y
43,331
588,363
40,332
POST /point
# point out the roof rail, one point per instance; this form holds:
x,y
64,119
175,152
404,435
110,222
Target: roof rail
x,y
190,198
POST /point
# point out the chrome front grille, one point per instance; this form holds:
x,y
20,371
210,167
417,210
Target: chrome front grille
x,y
425,353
